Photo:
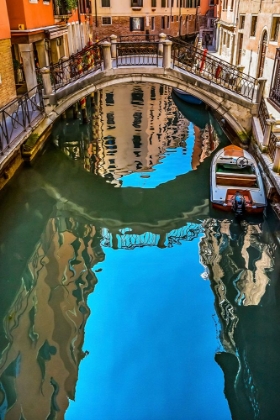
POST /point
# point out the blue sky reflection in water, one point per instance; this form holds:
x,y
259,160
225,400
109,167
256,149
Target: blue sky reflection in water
x,y
151,339
174,162
151,334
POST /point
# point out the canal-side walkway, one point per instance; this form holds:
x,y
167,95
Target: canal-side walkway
x,y
18,120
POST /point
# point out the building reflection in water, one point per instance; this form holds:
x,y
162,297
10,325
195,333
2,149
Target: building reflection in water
x,y
239,262
45,324
132,128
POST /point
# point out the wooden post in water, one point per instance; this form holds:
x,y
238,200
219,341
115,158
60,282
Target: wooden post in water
x,y
83,103
75,109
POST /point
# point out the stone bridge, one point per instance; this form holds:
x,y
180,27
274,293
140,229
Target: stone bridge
x,y
233,95
26,122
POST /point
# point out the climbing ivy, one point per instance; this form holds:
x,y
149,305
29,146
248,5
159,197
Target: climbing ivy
x,y
69,5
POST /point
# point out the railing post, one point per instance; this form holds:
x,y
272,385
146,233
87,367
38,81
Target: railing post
x,y
65,68
46,76
276,163
259,91
167,55
268,128
162,38
238,81
106,47
47,90
114,46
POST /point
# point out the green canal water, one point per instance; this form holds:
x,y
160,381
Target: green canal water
x,y
124,296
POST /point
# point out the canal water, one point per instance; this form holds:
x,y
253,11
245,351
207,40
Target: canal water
x,y
124,296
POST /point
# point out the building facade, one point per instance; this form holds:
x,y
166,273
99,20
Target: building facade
x,y
44,32
146,17
248,36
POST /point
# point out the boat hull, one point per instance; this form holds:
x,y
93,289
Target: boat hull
x,y
235,172
186,97
228,208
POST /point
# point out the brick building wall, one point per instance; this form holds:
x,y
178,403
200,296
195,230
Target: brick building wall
x,y
7,85
120,25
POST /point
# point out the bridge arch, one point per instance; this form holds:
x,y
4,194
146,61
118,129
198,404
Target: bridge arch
x,y
236,110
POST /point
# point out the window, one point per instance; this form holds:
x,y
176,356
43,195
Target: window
x,y
275,28
137,24
85,6
253,25
136,3
106,20
168,22
163,22
163,3
105,3
242,22
154,3
153,23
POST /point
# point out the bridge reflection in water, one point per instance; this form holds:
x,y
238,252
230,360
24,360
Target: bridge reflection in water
x,y
75,220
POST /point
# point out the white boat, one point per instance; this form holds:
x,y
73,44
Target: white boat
x,y
236,183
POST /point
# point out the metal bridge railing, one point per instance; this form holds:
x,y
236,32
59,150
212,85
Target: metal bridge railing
x,y
138,38
137,53
136,50
19,115
199,62
76,66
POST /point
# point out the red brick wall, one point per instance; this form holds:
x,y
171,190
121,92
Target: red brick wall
x,y
121,26
7,86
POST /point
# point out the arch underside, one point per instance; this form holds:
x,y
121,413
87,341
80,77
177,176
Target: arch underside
x,y
233,108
